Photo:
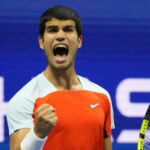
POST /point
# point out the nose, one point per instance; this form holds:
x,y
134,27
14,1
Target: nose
x,y
60,36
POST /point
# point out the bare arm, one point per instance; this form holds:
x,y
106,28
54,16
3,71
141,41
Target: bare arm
x,y
16,138
107,143
45,118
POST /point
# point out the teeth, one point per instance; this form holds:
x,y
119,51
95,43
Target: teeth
x,y
60,49
61,46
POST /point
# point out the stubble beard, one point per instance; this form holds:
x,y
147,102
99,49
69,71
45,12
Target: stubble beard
x,y
60,68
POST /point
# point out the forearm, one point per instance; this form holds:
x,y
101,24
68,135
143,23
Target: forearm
x,y
107,145
32,142
17,137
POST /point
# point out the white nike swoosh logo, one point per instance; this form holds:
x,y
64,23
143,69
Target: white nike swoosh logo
x,y
93,106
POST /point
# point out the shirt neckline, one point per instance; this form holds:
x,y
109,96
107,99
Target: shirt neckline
x,y
53,88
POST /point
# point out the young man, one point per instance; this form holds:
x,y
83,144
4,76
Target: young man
x,y
59,109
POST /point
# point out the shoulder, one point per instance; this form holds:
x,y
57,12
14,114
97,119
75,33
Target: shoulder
x,y
28,89
38,86
25,98
91,86
20,107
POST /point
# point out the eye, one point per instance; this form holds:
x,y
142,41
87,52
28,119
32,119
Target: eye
x,y
68,29
52,29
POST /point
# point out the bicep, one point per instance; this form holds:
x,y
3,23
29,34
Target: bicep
x,y
107,144
17,137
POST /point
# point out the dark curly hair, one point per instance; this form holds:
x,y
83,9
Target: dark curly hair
x,y
61,13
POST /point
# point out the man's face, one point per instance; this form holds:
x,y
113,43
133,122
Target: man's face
x,y
60,42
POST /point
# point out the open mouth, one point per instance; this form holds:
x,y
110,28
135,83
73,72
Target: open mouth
x,y
60,50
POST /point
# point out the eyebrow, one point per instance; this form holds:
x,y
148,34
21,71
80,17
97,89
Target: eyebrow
x,y
51,26
69,26
55,26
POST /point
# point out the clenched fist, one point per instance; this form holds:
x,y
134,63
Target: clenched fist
x,y
45,120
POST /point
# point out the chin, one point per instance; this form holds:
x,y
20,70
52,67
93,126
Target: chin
x,y
61,67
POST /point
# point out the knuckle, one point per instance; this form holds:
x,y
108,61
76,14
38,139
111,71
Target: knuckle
x,y
40,118
51,107
53,113
37,112
45,105
55,119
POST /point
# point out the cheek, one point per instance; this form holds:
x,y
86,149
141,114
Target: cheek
x,y
74,42
48,39
48,44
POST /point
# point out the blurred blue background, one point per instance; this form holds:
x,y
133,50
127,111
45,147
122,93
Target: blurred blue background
x,y
115,54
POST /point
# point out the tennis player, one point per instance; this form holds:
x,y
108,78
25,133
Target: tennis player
x,y
58,109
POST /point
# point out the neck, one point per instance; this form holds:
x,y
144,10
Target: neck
x,y
63,79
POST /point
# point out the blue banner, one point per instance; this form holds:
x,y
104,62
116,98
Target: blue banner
x,y
115,54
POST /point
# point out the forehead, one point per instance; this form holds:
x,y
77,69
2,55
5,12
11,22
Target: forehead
x,y
57,22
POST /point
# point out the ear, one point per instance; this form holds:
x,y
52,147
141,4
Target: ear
x,y
41,42
80,41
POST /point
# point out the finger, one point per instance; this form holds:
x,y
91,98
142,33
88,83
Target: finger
x,y
44,107
46,118
51,116
46,111
44,115
54,120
